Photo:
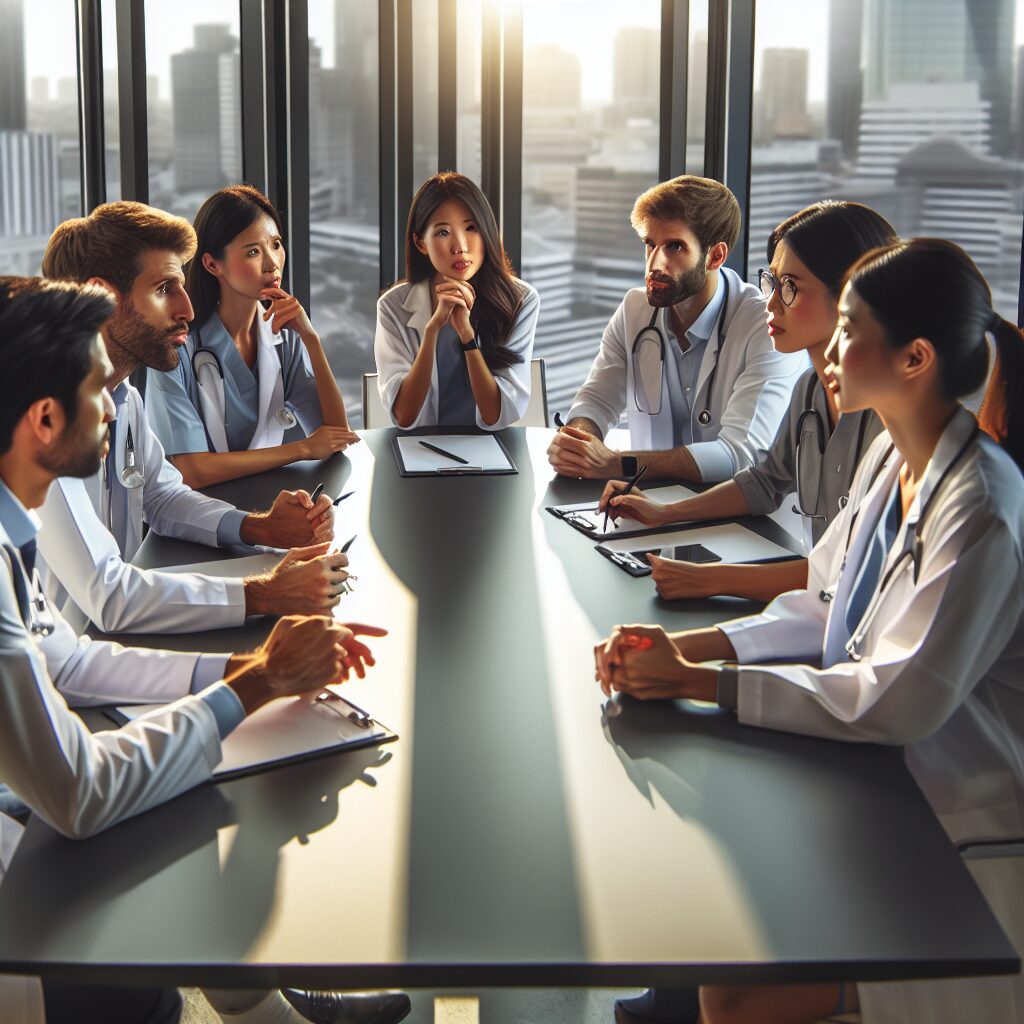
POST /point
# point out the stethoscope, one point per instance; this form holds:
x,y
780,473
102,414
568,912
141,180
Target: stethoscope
x,y
821,435
648,351
915,552
205,359
40,619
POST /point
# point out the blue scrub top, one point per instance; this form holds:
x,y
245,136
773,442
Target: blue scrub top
x,y
457,406
172,397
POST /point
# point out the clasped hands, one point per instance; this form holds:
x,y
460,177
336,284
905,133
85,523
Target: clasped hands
x,y
454,304
644,662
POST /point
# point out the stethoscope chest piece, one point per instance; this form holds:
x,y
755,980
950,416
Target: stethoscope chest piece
x,y
286,418
704,417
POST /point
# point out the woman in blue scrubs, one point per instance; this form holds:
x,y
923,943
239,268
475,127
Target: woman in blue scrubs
x,y
254,366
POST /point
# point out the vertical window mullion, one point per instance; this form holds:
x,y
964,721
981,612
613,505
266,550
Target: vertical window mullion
x,y
89,34
675,62
297,167
388,147
131,100
739,120
447,85
512,132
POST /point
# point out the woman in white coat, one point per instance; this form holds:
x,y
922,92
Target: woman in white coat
x,y
454,339
913,606
815,451
249,372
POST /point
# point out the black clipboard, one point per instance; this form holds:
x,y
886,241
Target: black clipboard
x,y
295,718
455,468
571,514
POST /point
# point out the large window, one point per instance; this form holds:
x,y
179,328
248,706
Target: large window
x,y
344,191
910,106
591,96
40,184
194,100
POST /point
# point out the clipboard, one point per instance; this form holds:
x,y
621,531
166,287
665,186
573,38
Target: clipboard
x,y
284,731
483,455
583,515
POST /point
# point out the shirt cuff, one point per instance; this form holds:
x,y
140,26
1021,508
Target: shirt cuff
x,y
208,669
714,460
728,687
588,412
226,707
229,529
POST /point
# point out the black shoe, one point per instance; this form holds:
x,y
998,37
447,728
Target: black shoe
x,y
349,1008
660,1006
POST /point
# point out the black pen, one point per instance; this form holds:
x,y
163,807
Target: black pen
x,y
447,455
348,543
629,486
317,491
341,498
558,420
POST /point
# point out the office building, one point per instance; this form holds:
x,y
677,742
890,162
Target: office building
x,y
945,41
13,107
845,77
913,114
551,78
30,198
203,129
636,81
782,102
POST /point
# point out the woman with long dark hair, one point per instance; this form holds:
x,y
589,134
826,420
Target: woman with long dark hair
x,y
253,366
454,338
910,629
816,451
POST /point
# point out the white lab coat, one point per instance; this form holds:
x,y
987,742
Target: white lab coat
x,y
402,316
749,396
81,783
942,671
85,567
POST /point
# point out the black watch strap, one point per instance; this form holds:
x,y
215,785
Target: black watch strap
x,y
469,345
629,465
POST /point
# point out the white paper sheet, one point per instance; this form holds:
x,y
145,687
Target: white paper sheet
x,y
734,543
481,451
229,568
281,730
626,526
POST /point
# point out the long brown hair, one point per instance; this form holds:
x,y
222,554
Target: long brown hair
x,y
930,288
498,297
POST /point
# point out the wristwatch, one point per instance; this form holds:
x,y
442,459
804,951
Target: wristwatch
x,y
468,346
628,465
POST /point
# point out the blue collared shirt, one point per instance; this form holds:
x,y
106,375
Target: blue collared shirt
x,y
683,371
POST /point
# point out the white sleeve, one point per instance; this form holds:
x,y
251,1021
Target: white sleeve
x,y
81,783
171,507
927,655
394,352
602,399
116,596
514,381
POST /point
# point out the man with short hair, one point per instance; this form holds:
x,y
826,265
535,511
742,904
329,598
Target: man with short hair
x,y
55,412
92,528
703,389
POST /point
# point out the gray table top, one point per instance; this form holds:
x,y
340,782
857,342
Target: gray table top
x,y
513,834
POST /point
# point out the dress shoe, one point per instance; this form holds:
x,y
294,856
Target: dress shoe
x,y
348,1007
660,1006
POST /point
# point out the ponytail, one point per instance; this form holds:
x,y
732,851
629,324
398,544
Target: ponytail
x,y
1002,409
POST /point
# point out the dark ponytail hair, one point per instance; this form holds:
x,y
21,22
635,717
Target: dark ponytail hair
x,y
930,288
830,236
498,297
223,217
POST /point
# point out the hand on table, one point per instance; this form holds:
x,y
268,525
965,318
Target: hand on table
x,y
574,452
635,505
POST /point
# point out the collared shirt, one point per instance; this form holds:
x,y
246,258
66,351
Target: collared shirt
x,y
683,369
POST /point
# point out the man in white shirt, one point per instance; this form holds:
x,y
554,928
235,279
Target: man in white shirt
x,y
93,527
703,389
55,411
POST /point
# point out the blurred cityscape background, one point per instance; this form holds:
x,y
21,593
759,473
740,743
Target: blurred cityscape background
x,y
915,107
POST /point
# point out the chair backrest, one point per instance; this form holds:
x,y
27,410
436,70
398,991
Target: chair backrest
x,y
536,415
374,413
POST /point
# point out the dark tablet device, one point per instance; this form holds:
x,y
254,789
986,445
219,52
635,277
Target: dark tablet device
x,y
636,564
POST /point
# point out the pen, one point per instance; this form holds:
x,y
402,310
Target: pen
x,y
558,420
348,543
342,497
629,486
447,455
317,491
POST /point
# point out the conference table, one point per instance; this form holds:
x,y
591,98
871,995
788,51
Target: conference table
x,y
515,834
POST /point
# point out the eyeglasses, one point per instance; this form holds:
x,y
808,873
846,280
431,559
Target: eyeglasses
x,y
769,283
